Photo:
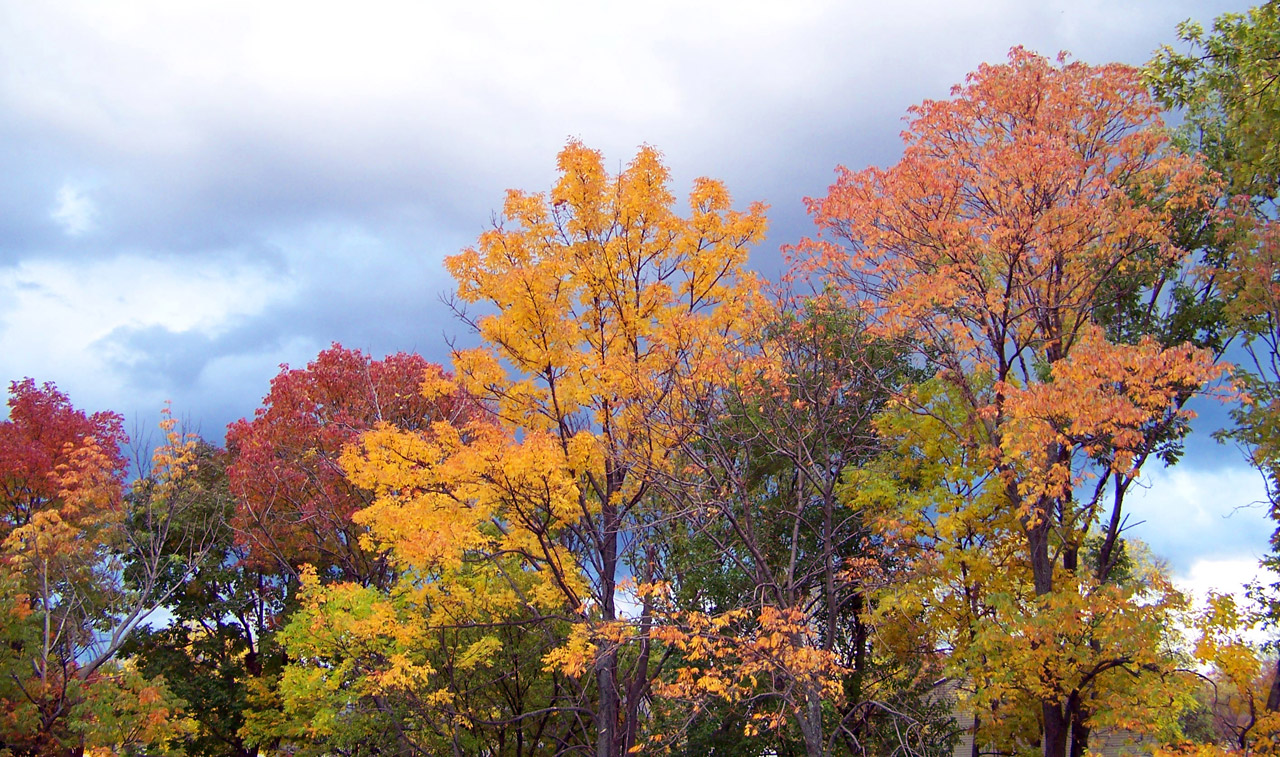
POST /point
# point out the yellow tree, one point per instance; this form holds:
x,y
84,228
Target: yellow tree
x,y
1242,678
606,312
1024,239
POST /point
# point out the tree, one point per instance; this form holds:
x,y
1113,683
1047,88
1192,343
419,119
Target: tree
x,y
295,503
1241,679
87,562
293,508
1027,212
787,640
220,638
609,312
1225,88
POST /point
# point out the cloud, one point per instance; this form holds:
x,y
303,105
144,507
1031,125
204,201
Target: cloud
x,y
58,317
196,192
73,211
1223,576
1190,513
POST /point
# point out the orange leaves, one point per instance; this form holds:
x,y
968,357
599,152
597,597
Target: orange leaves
x,y
1102,398
607,300
76,507
54,456
173,460
737,654
1012,204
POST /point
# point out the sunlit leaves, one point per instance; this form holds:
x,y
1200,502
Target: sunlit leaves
x,y
994,244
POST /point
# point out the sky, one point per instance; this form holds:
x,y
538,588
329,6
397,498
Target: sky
x,y
194,193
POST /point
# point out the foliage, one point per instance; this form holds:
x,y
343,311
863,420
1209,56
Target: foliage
x,y
658,511
86,568
993,243
759,491
219,638
1224,88
612,311
294,503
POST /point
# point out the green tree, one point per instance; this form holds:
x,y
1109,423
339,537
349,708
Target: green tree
x,y
220,637
1227,90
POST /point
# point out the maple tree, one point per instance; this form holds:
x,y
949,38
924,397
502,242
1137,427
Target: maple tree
x,y
1026,213
294,502
611,311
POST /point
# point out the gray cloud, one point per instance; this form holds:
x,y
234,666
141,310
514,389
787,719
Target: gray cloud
x,y
324,162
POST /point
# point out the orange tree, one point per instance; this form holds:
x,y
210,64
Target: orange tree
x,y
1029,228
606,312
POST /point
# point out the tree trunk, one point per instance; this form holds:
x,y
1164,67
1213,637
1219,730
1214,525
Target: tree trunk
x,y
608,739
811,725
1273,696
1079,729
1056,725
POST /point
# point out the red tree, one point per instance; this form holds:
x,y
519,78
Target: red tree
x,y
39,441
295,504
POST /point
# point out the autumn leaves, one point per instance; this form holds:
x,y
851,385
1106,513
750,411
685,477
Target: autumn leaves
x,y
663,506
641,393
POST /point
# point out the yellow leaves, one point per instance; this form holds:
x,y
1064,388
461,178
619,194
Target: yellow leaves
x,y
437,386
173,462
479,653
605,297
575,656
402,674
45,535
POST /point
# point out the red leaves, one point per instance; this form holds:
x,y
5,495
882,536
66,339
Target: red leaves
x,y
44,439
295,504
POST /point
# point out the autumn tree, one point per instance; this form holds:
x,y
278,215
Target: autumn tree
x,y
294,502
1027,212
293,508
1240,678
85,558
605,312
774,569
